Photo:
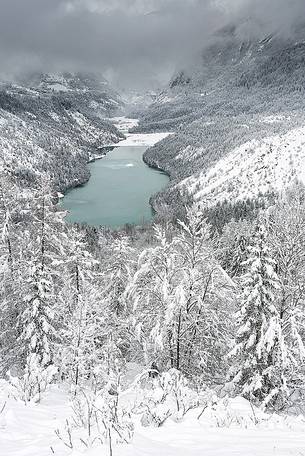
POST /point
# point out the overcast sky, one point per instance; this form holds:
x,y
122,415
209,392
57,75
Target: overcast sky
x,y
133,42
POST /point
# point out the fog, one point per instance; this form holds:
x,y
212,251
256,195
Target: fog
x,y
135,43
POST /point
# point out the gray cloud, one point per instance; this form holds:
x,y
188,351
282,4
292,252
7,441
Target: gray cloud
x,y
269,16
133,41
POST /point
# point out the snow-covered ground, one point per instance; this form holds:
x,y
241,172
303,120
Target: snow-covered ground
x,y
231,428
142,139
124,124
256,166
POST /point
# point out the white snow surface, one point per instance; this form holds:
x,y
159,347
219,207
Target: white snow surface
x,y
226,429
258,166
142,139
124,124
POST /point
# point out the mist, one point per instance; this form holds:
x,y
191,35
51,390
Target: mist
x,y
134,43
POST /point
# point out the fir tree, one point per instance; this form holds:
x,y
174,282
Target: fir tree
x,y
43,257
287,241
10,206
259,348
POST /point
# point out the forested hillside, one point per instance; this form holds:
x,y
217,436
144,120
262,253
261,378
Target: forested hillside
x,y
52,125
237,92
184,336
109,338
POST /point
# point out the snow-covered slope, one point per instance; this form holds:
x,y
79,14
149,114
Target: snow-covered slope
x,y
256,167
239,93
92,93
230,427
234,75
42,130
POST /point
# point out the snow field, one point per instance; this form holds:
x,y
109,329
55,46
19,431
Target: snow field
x,y
226,427
124,124
253,168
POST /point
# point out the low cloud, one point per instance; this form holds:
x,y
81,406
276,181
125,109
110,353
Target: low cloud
x,y
135,42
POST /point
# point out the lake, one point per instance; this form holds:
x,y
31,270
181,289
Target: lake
x,y
118,190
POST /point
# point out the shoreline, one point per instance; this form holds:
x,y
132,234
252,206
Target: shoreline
x,y
130,140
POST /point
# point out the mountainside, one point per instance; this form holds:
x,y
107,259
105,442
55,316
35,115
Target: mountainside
x,y
124,334
91,93
256,167
240,90
222,80
53,124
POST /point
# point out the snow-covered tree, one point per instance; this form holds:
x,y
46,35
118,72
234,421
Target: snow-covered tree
x,y
83,333
43,256
148,293
181,296
201,302
287,242
8,202
260,349
118,272
81,318
90,325
232,246
10,207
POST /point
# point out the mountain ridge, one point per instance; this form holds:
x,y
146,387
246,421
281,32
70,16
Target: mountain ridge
x,y
220,103
42,130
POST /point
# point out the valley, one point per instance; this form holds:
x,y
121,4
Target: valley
x,y
120,184
152,229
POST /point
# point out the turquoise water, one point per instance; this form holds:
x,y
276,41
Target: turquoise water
x,y
118,191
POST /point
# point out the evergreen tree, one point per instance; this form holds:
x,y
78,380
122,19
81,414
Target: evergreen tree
x,y
287,242
43,257
10,207
232,247
260,349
